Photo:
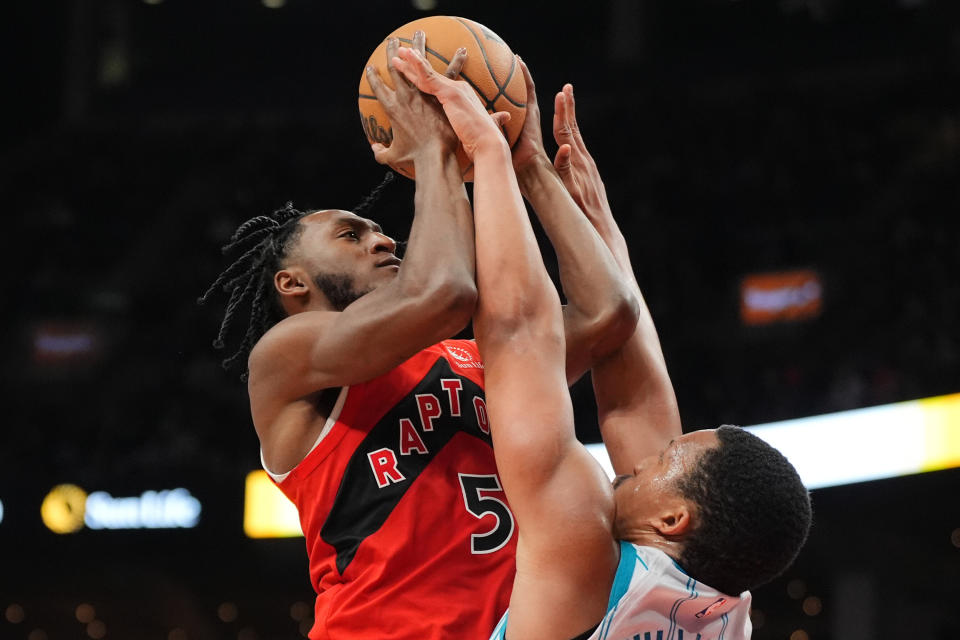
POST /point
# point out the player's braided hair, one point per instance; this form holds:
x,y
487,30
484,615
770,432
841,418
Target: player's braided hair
x,y
263,243
367,203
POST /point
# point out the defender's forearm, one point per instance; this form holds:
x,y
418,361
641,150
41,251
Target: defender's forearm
x,y
636,405
601,308
506,247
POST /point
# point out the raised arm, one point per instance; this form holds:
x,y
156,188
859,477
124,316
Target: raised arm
x,y
601,310
559,495
636,404
431,298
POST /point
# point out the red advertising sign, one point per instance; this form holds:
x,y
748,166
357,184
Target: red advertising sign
x,y
780,296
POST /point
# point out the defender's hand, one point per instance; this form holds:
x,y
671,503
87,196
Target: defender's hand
x,y
573,162
529,145
474,127
417,121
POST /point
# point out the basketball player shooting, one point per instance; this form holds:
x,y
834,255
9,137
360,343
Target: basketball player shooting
x,y
691,523
370,420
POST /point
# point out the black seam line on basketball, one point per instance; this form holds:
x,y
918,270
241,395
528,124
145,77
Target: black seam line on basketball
x,y
486,61
513,68
462,75
427,49
491,106
363,95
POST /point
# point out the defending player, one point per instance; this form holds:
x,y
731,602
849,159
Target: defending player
x,y
374,429
721,504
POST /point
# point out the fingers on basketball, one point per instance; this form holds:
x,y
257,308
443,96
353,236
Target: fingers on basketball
x,y
456,64
392,45
420,42
376,83
528,80
416,69
381,153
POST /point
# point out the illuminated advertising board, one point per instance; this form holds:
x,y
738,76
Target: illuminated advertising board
x,y
66,343
68,508
780,296
267,513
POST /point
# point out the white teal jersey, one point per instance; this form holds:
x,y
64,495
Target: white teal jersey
x,y
653,599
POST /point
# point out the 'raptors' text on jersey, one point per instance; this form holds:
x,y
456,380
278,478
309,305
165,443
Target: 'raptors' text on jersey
x,y
407,528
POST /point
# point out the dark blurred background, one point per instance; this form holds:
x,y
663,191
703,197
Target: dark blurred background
x,y
735,137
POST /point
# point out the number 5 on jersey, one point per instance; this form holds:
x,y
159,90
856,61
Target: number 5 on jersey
x,y
480,505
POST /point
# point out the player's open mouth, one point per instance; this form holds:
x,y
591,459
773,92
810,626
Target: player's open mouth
x,y
389,262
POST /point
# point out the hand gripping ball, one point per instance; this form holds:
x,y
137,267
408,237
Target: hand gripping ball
x,y
491,69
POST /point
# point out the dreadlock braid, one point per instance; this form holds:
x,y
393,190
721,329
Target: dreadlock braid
x,y
230,276
237,296
263,243
250,239
374,195
258,223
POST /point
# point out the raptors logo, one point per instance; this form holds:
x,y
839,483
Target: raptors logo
x,y
463,358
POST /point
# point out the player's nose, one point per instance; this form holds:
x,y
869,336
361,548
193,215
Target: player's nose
x,y
383,243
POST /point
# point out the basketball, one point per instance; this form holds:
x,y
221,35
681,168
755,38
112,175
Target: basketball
x,y
491,69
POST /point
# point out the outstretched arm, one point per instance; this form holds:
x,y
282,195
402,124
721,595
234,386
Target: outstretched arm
x,y
601,310
636,405
561,499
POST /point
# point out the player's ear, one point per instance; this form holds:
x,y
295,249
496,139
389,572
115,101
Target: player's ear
x,y
676,519
291,284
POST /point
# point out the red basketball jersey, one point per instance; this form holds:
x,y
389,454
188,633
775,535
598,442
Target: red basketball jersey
x,y
407,527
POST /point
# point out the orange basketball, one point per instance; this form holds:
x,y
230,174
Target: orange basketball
x,y
491,69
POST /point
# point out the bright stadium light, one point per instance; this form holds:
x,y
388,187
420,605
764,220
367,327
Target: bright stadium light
x,y
863,444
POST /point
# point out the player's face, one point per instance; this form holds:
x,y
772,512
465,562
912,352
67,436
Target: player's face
x,y
346,255
652,487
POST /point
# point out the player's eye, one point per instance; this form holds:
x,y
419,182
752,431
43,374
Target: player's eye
x,y
350,234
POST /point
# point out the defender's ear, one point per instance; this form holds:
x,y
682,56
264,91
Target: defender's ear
x,y
675,520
